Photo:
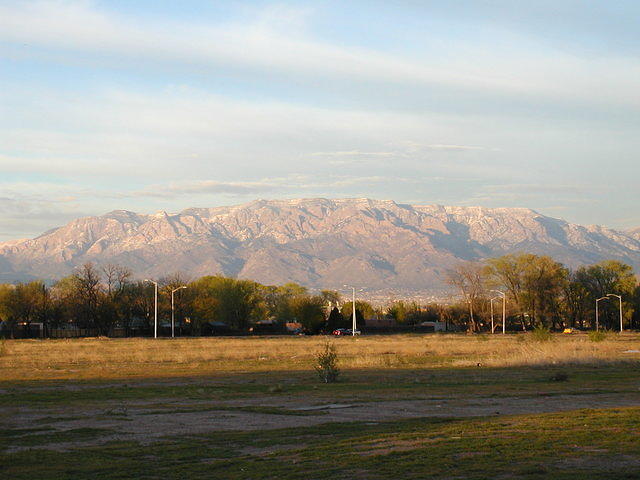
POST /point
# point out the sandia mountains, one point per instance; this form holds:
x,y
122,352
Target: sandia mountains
x,y
320,243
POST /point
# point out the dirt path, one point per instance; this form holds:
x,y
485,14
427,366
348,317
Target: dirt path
x,y
135,422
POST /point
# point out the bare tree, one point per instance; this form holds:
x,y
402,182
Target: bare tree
x,y
468,279
116,278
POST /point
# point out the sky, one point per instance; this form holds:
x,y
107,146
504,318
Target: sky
x,y
161,105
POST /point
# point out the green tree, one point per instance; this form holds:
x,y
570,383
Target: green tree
x,y
24,303
576,301
609,277
238,303
309,311
535,284
364,310
336,320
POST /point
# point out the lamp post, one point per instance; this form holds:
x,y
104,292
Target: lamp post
x,y
155,315
172,309
597,320
491,302
620,300
504,310
353,304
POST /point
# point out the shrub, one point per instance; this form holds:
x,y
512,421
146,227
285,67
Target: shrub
x,y
276,388
597,335
327,363
559,377
541,334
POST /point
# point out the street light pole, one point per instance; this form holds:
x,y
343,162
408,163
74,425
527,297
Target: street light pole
x,y
597,320
172,310
353,305
492,326
504,310
620,300
155,315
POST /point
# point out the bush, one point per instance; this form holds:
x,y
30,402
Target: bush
x,y
559,377
541,334
597,335
327,363
276,388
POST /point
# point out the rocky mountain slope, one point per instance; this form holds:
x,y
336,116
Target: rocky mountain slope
x,y
320,243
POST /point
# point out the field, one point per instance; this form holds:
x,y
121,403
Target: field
x,y
405,406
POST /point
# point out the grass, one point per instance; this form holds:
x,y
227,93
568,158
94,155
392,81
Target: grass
x,y
597,335
584,444
361,385
65,406
45,436
143,358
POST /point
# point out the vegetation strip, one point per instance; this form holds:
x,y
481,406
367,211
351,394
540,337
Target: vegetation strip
x,y
565,445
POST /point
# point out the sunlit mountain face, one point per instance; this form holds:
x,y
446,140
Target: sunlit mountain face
x,y
319,243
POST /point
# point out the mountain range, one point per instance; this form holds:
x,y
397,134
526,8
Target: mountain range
x,y
319,243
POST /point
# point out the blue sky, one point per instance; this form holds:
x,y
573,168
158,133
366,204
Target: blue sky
x,y
163,105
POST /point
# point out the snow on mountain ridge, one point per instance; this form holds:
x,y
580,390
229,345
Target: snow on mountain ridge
x,y
318,242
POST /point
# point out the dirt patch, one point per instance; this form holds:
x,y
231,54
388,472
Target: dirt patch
x,y
271,449
145,423
600,462
390,446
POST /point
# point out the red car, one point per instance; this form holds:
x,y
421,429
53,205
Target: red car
x,y
344,331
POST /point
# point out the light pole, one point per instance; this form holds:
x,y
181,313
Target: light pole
x,y
504,310
620,299
597,320
155,315
353,304
491,302
172,310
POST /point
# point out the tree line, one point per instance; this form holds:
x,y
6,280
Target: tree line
x,y
537,289
101,298
540,291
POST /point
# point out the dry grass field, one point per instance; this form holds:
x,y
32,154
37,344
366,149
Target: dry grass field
x,y
405,406
103,358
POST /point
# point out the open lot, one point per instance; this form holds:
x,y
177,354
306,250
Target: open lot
x,y
423,406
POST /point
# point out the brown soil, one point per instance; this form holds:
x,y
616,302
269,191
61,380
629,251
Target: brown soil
x,y
140,422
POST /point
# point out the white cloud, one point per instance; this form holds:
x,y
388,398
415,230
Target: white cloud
x,y
78,26
204,187
353,153
510,110
155,135
439,146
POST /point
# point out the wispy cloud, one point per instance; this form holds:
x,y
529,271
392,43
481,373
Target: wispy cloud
x,y
455,148
353,153
79,26
204,187
24,218
145,107
408,150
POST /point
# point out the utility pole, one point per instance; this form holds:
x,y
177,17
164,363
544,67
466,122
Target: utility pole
x,y
172,310
597,319
491,303
155,315
620,300
504,310
353,305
